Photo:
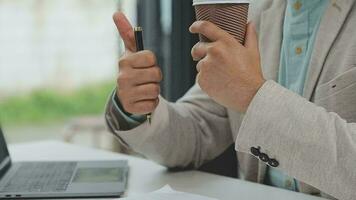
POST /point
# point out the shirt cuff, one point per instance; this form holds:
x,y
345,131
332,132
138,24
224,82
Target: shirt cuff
x,y
126,121
134,138
259,131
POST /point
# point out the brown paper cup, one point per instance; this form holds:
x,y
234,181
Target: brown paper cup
x,y
231,17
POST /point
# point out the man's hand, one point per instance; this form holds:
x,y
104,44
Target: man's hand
x,y
229,72
139,75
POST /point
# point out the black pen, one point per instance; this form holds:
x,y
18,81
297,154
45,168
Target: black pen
x,y
139,47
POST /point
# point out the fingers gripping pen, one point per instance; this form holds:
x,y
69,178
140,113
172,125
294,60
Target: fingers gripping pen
x,y
140,47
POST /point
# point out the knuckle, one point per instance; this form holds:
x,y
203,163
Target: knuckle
x,y
120,94
193,51
155,90
120,82
122,79
204,25
123,97
196,52
140,108
202,64
123,62
215,49
230,40
157,73
129,108
195,48
151,90
149,106
150,57
200,81
199,66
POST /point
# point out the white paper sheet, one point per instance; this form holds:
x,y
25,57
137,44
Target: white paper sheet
x,y
167,193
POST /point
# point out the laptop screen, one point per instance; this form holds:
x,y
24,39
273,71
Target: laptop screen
x,y
4,155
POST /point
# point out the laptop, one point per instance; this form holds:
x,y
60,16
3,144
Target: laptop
x,y
26,180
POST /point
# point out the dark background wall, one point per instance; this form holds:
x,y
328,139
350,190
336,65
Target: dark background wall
x,y
173,54
172,49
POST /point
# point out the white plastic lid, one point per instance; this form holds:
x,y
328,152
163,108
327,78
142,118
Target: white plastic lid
x,y
204,2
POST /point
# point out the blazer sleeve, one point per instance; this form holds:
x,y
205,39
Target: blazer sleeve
x,y
189,132
310,144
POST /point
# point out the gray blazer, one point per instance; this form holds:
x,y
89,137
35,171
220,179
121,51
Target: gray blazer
x,y
312,137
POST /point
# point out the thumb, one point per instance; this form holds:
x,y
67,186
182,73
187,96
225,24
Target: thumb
x,y
251,38
126,31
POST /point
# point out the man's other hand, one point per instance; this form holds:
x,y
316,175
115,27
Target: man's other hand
x,y
229,72
139,76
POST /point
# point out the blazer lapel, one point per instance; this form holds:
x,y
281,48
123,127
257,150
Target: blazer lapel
x,y
270,40
330,27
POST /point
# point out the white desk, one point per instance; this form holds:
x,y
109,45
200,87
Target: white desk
x,y
146,176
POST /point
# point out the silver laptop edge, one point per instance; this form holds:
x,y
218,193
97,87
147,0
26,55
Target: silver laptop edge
x,y
86,188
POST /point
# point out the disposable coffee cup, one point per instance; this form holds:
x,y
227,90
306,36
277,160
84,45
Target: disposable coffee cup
x,y
229,15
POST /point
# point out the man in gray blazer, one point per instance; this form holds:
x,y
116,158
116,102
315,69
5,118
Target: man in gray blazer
x,y
306,136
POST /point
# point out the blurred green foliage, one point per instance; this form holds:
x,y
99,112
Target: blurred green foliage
x,y
47,106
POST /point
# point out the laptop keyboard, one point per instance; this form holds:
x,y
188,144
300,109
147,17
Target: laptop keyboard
x,y
41,177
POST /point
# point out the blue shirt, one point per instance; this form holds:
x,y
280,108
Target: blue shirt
x,y
301,25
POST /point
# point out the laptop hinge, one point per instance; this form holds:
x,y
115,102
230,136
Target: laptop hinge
x,y
4,166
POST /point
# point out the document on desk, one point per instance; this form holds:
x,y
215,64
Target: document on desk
x,y
168,193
